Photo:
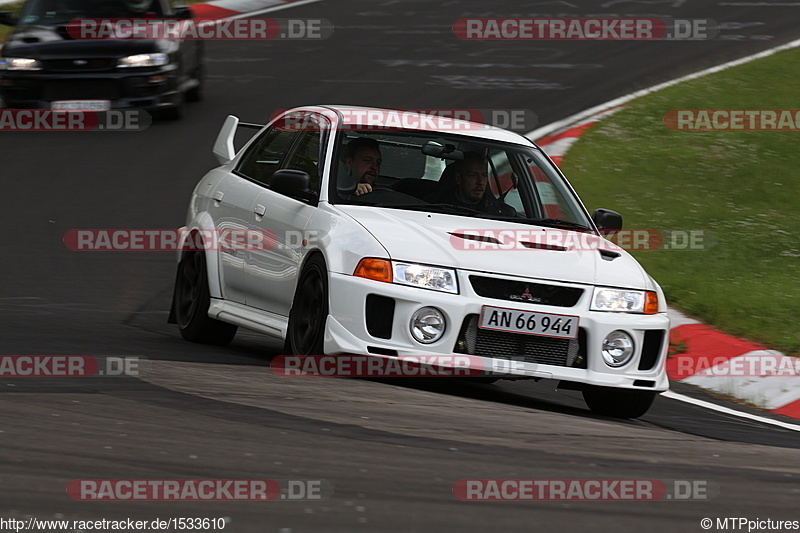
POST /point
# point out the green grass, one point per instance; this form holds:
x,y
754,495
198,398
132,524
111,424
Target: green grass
x,y
744,187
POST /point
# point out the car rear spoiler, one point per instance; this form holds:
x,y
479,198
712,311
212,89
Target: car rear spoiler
x,y
223,146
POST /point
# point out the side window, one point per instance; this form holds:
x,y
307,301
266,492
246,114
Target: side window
x,y
306,155
265,155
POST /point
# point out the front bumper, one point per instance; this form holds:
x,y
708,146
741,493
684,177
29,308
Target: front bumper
x,y
513,355
125,89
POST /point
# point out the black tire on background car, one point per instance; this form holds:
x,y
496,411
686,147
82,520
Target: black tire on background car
x,y
195,94
618,403
177,111
309,314
191,302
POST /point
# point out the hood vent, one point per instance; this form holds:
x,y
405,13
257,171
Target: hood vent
x,y
482,238
608,255
543,246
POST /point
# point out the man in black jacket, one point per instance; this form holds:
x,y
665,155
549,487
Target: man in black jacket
x,y
471,177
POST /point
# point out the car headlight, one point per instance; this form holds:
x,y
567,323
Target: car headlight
x,y
426,277
624,301
422,276
20,63
143,60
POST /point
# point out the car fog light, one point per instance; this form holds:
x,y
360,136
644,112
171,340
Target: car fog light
x,y
427,325
617,348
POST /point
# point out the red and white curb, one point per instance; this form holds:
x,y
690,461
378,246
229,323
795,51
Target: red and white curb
x,y
557,144
219,9
712,360
721,363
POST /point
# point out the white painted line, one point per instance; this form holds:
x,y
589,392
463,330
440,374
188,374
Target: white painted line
x,y
278,7
726,410
555,126
676,318
286,5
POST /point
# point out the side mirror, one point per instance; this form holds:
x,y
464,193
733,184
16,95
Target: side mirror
x,y
607,221
183,12
7,18
294,184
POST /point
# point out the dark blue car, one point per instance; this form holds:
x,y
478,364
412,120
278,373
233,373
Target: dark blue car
x,y
44,66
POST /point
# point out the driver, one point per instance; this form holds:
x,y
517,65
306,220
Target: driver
x,y
471,178
363,159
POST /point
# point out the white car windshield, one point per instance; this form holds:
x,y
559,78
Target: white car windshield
x,y
453,174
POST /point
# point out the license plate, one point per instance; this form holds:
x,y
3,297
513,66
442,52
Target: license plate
x,y
529,322
82,105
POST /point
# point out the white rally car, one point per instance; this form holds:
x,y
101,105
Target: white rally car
x,y
393,234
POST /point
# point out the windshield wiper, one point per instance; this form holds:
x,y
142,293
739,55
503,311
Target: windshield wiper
x,y
438,208
557,223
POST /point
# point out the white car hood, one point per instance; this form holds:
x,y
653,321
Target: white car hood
x,y
428,238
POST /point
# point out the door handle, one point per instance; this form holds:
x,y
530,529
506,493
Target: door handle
x,y
217,196
260,210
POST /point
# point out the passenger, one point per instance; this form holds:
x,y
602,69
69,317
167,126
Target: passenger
x,y
363,159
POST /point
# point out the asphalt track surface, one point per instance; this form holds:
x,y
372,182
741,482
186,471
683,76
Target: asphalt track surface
x,y
391,450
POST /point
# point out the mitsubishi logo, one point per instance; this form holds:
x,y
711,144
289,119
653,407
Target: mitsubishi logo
x,y
526,296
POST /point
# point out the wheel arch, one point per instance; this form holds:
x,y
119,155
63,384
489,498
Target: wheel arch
x,y
201,230
316,252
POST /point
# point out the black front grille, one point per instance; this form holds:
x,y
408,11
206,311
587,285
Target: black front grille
x,y
80,65
81,90
380,315
473,340
524,292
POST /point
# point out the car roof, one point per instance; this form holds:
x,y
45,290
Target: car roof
x,y
349,115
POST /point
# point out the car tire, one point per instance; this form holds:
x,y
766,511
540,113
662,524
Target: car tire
x,y
177,111
191,303
618,403
309,315
196,93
